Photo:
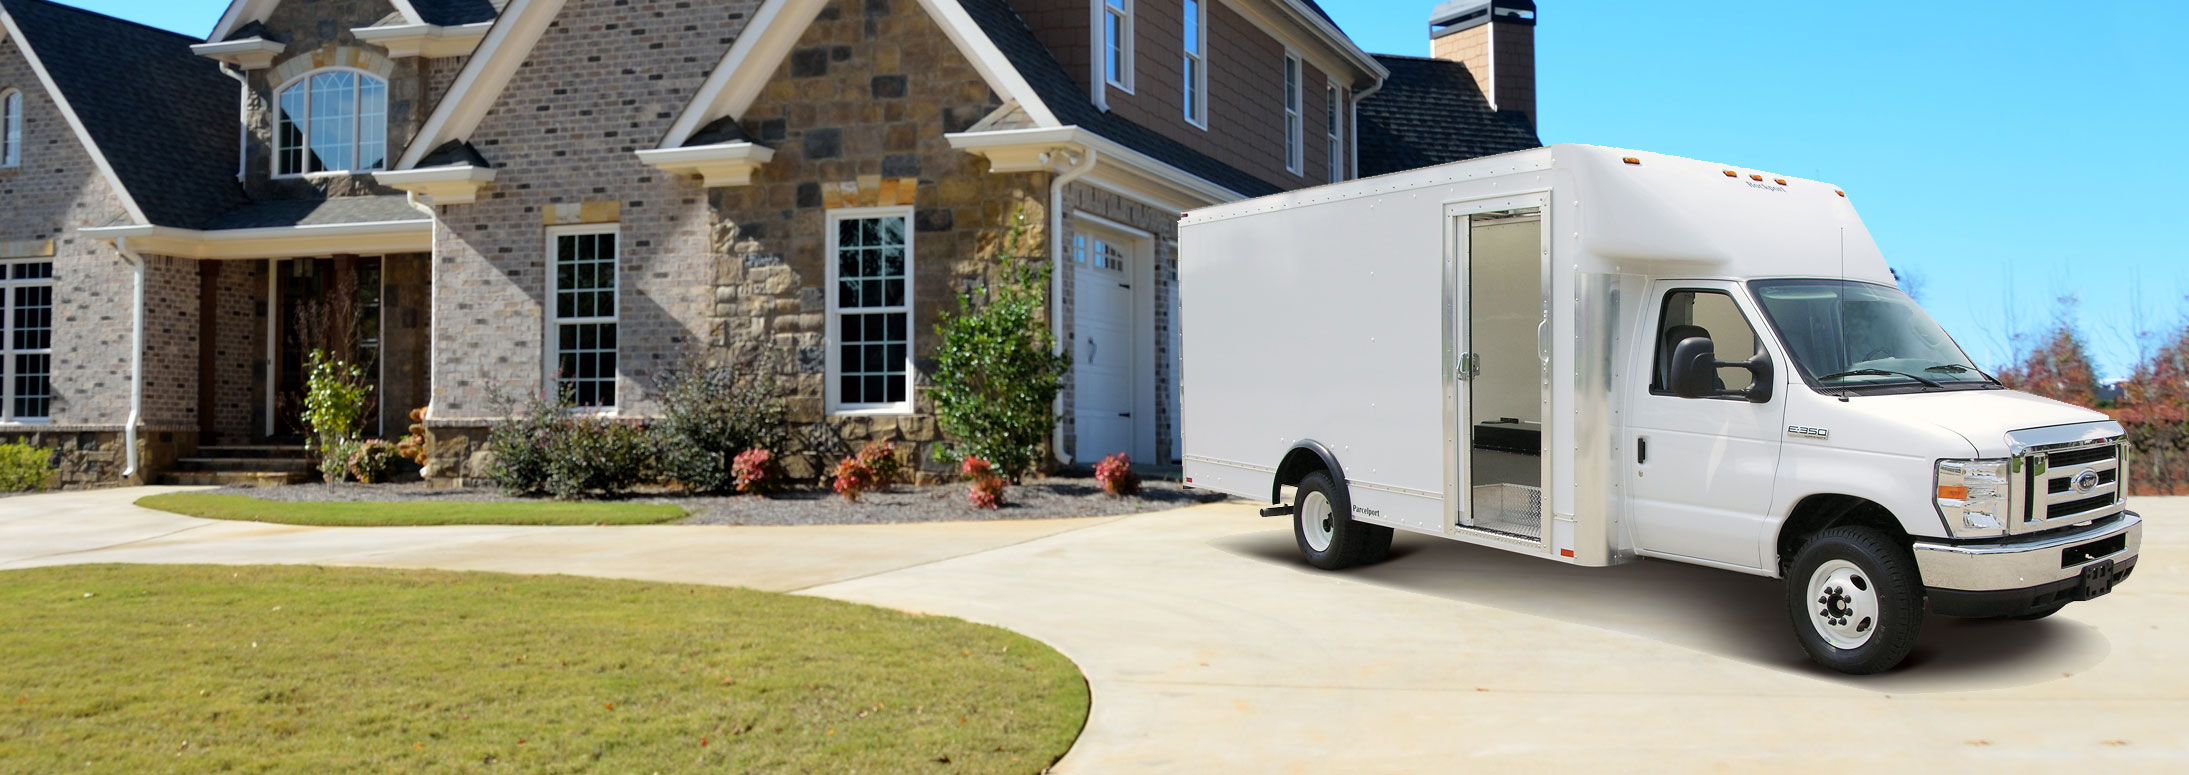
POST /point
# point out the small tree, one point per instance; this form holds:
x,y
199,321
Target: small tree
x,y
336,398
2155,411
2060,368
998,372
709,415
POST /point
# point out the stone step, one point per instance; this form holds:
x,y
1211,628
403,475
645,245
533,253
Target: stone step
x,y
232,478
242,464
254,451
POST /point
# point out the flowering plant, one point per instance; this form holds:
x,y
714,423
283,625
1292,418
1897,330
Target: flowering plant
x,y
853,479
987,492
756,471
1116,475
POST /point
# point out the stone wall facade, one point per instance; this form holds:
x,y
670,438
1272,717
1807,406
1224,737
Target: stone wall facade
x,y
317,35
90,458
858,115
605,80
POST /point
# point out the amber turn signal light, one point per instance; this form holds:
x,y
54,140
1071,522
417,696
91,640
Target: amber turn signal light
x,y
1946,493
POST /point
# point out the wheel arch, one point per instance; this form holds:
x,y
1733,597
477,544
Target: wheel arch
x,y
1820,512
1306,457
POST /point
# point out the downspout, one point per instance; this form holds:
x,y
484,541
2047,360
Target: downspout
x,y
243,115
1056,267
1354,138
136,360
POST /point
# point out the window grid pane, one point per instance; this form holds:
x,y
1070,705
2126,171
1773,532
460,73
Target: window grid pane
x,y
874,339
11,143
1114,43
33,386
26,340
289,136
586,324
333,125
372,123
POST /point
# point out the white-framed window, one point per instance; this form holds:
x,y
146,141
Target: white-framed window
x,y
582,314
26,341
1117,44
1195,75
1334,130
331,121
870,311
11,128
1294,141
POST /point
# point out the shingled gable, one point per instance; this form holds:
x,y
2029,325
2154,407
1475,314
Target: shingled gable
x,y
438,13
1430,112
158,120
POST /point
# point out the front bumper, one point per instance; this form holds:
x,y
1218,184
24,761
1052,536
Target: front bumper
x,y
2026,575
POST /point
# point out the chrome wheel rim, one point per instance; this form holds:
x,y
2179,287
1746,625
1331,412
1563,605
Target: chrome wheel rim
x,y
1843,604
1316,521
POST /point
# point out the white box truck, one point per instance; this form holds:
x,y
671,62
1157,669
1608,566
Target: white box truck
x,y
1596,355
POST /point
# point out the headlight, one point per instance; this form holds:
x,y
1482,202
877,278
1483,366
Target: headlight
x,y
1972,496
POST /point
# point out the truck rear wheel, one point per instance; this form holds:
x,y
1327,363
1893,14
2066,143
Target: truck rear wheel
x,y
1856,600
1325,531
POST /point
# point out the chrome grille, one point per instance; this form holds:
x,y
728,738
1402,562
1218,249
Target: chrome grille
x,y
2068,484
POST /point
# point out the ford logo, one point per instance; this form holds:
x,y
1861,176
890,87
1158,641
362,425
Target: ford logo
x,y
2086,481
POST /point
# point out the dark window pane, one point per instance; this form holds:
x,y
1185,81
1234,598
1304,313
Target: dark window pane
x,y
893,262
896,390
847,390
893,293
847,233
870,263
608,338
877,389
896,327
847,293
896,358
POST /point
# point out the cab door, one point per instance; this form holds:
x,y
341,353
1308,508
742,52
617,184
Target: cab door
x,y
1701,485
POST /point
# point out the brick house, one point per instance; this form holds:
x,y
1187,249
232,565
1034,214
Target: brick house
x,y
478,198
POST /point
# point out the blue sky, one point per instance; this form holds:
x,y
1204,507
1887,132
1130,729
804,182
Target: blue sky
x,y
2008,154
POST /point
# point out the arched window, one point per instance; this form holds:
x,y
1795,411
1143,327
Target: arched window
x,y
331,120
11,128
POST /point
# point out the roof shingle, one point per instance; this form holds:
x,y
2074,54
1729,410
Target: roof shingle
x,y
1431,112
164,118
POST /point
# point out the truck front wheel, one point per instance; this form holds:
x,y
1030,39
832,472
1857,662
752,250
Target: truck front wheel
x,y
1327,533
1856,600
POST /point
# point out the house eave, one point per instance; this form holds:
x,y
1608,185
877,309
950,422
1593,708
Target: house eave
x,y
454,185
424,40
248,53
1035,150
375,238
719,166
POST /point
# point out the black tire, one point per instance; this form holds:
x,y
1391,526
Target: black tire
x,y
2039,614
1882,569
1351,543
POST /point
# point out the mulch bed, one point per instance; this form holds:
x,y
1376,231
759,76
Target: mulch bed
x,y
1051,498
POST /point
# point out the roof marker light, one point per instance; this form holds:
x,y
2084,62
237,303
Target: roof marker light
x,y
1732,174
1632,160
1780,181
1757,178
1842,194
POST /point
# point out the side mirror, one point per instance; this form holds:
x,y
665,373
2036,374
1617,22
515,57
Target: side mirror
x,y
1695,368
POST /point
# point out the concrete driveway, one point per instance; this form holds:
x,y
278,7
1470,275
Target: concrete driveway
x,y
1212,648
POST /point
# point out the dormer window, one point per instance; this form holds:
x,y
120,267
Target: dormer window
x,y
11,129
332,121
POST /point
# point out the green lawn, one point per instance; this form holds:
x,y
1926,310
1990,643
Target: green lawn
x,y
324,670
400,513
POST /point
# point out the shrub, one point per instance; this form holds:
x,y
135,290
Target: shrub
x,y
709,415
853,479
1116,475
757,472
597,457
519,447
881,456
336,398
987,492
24,467
371,461
543,448
998,370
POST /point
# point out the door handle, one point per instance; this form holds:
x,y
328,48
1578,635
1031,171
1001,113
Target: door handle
x,y
1641,450
1470,367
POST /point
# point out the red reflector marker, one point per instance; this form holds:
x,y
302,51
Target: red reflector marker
x,y
1565,552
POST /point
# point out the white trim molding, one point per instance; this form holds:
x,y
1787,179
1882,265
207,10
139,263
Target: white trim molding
x,y
248,53
1037,150
722,165
752,60
423,40
454,185
376,238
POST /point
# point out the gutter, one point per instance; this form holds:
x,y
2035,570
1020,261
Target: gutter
x,y
136,360
1355,137
243,115
1056,266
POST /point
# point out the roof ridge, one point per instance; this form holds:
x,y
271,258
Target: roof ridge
x,y
1412,58
108,17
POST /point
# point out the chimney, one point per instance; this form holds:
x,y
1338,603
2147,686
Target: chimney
x,y
1495,39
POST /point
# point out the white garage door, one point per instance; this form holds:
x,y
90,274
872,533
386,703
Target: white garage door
x,y
1102,350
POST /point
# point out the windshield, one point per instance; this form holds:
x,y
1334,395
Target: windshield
x,y
1852,335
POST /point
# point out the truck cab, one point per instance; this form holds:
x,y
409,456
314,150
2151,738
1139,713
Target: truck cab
x,y
1598,356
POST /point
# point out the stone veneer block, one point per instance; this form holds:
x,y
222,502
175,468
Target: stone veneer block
x,y
567,213
26,249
